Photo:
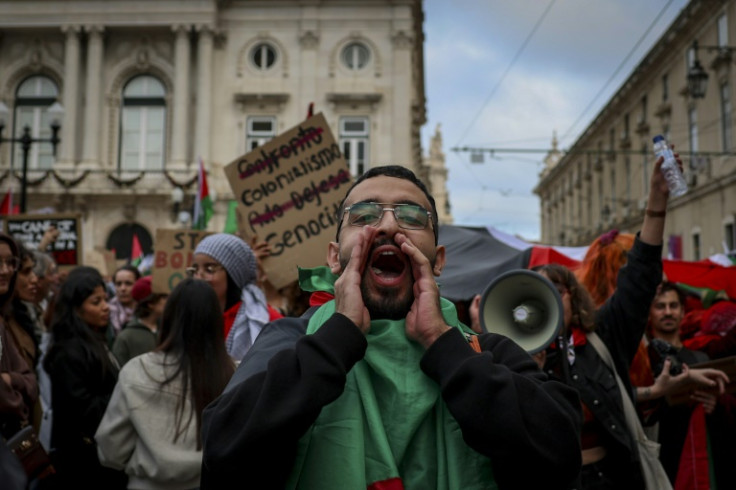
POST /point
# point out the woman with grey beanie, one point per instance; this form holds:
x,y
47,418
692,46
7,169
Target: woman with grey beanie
x,y
229,265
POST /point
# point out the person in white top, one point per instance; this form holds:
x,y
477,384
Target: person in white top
x,y
151,428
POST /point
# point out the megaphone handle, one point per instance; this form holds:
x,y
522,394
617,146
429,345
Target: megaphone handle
x,y
564,363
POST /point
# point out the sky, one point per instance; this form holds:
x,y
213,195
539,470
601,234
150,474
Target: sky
x,y
512,73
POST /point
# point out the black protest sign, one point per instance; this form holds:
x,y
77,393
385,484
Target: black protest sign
x,y
30,228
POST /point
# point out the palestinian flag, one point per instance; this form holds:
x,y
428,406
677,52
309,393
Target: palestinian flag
x,y
203,208
136,251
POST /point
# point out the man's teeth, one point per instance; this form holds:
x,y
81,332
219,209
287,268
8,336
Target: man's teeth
x,y
376,271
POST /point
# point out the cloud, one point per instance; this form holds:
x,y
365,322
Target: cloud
x,y
482,99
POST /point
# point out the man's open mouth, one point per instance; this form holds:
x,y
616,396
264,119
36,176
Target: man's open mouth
x,y
388,264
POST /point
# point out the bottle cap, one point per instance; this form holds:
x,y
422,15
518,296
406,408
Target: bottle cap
x,y
657,138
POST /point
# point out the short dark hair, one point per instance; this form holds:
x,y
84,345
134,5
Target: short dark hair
x,y
665,286
129,268
400,173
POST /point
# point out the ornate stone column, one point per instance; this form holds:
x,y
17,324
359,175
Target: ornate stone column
x,y
93,103
204,93
180,119
67,153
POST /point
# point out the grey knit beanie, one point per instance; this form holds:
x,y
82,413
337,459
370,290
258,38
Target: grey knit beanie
x,y
234,254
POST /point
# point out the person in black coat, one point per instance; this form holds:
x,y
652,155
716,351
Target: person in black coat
x,y
83,373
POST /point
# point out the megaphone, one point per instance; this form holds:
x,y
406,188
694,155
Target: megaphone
x,y
524,306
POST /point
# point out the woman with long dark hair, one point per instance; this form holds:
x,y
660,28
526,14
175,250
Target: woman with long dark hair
x,y
152,425
83,373
18,383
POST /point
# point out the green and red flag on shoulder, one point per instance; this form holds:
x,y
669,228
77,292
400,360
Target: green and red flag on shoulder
x,y
136,251
203,208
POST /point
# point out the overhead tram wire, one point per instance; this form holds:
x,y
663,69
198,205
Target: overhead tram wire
x,y
618,69
580,151
508,69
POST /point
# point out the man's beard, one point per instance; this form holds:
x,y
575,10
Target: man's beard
x,y
391,303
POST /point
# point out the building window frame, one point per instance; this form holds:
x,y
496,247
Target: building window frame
x,y
692,132
258,132
726,116
33,97
355,56
263,56
354,136
143,114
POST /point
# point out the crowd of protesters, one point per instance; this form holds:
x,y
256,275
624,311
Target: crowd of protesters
x,y
115,377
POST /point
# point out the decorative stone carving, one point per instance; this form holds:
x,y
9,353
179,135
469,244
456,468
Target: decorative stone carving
x,y
308,40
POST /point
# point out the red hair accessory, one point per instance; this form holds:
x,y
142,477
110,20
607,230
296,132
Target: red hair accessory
x,y
607,238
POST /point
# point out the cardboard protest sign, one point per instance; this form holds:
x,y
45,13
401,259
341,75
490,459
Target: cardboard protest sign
x,y
173,251
29,229
101,259
289,191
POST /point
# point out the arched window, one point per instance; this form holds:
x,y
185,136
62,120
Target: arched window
x,y
32,100
121,240
142,125
355,55
263,56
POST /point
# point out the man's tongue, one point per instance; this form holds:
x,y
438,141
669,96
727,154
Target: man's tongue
x,y
387,266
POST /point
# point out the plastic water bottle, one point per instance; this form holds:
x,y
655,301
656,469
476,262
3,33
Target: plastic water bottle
x,y
670,169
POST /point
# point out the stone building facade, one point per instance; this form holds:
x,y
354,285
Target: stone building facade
x,y
150,88
602,181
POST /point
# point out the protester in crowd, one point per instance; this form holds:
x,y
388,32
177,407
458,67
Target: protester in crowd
x,y
18,316
41,311
610,458
386,388
49,280
598,273
151,428
229,265
675,419
18,384
122,305
140,334
83,373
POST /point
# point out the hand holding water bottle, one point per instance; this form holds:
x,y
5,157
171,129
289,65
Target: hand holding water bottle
x,y
670,167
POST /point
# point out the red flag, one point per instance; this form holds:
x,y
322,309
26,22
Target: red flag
x,y
7,207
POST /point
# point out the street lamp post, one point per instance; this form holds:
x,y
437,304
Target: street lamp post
x,y
697,77
26,140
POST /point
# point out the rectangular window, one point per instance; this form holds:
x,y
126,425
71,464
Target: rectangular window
x,y
260,129
613,188
696,246
722,30
643,115
142,138
729,237
692,121
665,88
627,177
354,136
726,110
40,155
645,169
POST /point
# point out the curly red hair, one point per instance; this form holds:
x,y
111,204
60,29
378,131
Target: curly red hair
x,y
599,268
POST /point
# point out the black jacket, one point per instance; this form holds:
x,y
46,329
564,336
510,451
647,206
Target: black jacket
x,y
529,427
620,322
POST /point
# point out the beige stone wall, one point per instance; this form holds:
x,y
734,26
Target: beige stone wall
x,y
199,50
589,191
